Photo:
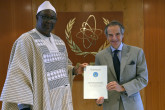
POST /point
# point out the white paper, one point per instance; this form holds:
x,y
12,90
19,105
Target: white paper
x,y
95,81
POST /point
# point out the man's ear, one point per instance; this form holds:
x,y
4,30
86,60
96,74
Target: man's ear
x,y
36,17
123,36
107,39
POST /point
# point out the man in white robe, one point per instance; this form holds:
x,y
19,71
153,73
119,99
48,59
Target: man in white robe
x,y
39,73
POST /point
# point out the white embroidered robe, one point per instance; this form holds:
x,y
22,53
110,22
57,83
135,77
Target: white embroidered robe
x,y
37,76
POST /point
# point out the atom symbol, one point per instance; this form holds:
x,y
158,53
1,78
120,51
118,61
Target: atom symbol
x,y
88,34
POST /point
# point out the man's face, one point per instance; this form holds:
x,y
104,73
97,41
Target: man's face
x,y
46,21
114,36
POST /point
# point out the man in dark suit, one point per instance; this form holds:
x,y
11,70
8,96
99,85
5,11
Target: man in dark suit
x,y
127,71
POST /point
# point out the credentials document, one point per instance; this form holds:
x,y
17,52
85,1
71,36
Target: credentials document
x,y
95,81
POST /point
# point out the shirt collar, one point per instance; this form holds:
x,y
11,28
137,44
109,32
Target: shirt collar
x,y
120,47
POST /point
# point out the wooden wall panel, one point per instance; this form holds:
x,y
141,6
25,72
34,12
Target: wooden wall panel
x,y
133,14
17,9
16,18
154,32
5,35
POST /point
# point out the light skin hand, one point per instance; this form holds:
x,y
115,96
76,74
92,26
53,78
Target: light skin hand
x,y
100,100
81,67
115,86
111,86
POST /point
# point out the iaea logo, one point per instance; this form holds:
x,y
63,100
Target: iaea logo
x,y
95,74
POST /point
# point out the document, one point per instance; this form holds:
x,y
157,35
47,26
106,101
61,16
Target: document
x,y
95,81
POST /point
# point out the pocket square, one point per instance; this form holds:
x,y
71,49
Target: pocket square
x,y
132,63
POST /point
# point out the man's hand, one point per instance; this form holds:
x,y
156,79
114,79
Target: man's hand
x,y
115,86
100,100
80,68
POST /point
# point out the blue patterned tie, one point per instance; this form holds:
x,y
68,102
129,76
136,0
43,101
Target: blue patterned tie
x,y
116,64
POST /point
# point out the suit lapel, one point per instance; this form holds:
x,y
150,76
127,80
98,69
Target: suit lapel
x,y
124,58
109,60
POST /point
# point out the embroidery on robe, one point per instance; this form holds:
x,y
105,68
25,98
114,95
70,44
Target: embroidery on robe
x,y
55,62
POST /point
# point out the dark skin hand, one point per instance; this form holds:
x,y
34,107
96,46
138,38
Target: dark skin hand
x,y
81,67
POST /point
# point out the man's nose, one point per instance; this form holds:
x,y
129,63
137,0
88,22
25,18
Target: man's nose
x,y
50,21
114,37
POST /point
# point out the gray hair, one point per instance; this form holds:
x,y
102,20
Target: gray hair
x,y
114,23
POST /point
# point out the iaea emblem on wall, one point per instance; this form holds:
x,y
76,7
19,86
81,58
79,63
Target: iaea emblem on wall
x,y
88,34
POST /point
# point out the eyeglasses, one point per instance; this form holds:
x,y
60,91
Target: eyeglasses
x,y
48,18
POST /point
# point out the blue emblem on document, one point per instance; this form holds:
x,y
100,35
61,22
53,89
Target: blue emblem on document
x,y
95,74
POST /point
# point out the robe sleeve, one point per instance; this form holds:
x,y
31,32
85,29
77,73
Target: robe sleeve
x,y
70,72
18,85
